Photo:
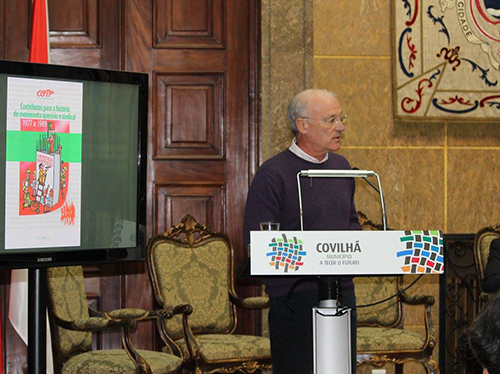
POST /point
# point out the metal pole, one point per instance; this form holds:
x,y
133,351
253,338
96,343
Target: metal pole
x,y
37,322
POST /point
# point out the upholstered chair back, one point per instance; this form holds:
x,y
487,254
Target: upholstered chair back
x,y
373,289
186,273
381,337
67,301
482,243
192,266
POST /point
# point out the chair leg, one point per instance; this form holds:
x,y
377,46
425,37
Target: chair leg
x,y
398,369
431,366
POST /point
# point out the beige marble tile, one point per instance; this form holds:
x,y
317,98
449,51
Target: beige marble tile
x,y
286,52
364,88
474,134
287,20
473,189
412,182
281,92
352,27
308,43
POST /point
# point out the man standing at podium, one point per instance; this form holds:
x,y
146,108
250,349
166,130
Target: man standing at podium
x,y
317,121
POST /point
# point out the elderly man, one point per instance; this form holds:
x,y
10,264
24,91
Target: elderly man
x,y
317,121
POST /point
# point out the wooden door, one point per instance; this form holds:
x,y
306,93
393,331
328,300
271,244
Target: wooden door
x,y
202,61
201,56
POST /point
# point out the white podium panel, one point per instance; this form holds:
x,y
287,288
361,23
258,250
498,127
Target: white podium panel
x,y
346,252
332,340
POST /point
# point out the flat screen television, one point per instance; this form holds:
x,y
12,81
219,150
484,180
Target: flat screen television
x,y
72,165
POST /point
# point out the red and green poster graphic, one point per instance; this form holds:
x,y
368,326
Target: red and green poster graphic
x,y
43,186
43,168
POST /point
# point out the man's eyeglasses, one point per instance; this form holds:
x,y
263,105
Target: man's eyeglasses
x,y
333,120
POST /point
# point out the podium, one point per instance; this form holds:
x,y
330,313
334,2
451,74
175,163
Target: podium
x,y
342,253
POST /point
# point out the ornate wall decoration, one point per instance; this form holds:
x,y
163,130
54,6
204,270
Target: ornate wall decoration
x,y
446,60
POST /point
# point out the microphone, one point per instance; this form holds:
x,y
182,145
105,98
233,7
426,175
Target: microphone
x,y
367,181
354,173
382,200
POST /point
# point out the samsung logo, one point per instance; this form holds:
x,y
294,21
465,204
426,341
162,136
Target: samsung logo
x,y
44,259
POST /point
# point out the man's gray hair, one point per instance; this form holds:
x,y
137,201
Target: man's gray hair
x,y
299,104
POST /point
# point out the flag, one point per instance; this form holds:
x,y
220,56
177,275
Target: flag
x,y
18,303
39,42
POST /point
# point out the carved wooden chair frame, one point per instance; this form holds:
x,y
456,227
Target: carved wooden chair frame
x,y
400,357
124,319
190,234
479,257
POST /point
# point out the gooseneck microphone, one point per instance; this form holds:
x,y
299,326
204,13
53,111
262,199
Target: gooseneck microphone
x,y
382,200
344,173
367,181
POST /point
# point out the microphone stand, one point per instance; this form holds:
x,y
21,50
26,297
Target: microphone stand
x,y
332,321
354,173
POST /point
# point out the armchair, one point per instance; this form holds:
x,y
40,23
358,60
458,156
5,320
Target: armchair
x,y
73,327
482,242
192,265
381,337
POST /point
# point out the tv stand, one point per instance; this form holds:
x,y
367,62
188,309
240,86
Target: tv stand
x,y
37,321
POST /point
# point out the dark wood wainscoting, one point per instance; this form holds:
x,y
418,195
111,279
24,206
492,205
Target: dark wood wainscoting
x,y
202,60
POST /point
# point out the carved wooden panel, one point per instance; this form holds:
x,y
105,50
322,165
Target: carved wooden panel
x,y
74,24
189,116
212,40
189,23
2,31
14,19
204,202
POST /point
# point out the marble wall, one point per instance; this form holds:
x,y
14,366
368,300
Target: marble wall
x,y
435,176
442,175
287,67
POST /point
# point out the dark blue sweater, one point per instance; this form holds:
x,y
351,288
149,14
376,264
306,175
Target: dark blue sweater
x,y
328,204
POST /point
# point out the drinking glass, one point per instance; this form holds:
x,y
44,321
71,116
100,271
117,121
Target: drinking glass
x,y
269,226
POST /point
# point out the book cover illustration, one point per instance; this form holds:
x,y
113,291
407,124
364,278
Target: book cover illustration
x,y
44,160
44,182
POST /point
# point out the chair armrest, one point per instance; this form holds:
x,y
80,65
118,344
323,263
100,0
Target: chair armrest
x,y
129,314
161,323
427,301
126,319
135,314
417,299
85,324
184,309
117,318
258,302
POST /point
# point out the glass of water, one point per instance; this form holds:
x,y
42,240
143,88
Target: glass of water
x,y
269,226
